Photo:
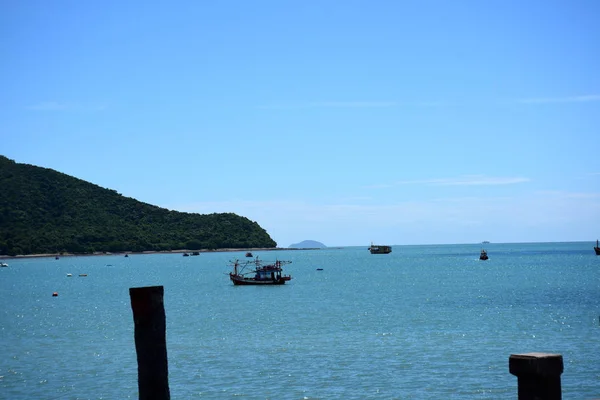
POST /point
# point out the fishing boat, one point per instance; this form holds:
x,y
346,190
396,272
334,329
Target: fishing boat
x,y
3,264
597,249
483,255
248,254
379,249
258,272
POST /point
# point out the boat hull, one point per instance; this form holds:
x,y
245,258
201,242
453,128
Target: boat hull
x,y
375,249
380,252
237,280
597,250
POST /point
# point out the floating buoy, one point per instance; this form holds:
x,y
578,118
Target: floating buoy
x,y
54,294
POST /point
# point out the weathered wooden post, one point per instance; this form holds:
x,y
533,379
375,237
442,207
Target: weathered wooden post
x,y
150,342
538,375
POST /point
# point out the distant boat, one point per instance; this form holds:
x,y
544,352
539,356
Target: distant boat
x,y
257,272
485,242
126,255
483,255
248,254
597,249
2,264
186,255
379,249
196,253
56,258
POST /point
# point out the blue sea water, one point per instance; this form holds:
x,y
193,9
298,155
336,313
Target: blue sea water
x,y
424,322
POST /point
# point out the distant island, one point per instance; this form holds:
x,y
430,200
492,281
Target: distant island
x,y
43,211
485,242
308,244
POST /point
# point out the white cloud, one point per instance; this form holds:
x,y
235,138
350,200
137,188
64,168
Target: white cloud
x,y
566,99
393,103
354,104
467,180
569,195
351,104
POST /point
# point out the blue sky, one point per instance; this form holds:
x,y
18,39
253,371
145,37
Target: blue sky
x,y
346,122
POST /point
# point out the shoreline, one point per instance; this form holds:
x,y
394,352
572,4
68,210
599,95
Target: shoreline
x,y
122,253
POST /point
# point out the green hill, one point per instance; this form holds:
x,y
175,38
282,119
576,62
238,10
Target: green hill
x,y
44,211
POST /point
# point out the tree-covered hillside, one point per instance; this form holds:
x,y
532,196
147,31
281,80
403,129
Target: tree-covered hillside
x,y
45,211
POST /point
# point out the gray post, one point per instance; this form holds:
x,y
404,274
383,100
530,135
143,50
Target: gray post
x,y
150,342
538,375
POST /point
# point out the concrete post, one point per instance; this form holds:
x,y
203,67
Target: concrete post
x,y
150,342
538,375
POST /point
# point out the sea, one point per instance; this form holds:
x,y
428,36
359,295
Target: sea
x,y
423,322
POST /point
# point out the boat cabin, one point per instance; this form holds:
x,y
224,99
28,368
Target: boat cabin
x,y
268,273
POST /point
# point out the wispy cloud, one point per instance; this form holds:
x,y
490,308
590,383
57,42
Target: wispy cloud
x,y
65,106
468,180
588,98
565,99
351,104
569,195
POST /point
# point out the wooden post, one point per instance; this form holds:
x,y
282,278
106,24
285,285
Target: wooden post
x,y
538,375
150,342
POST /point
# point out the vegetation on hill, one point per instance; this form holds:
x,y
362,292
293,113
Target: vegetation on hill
x,y
44,211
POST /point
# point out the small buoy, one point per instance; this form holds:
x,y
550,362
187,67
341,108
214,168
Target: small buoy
x,y
54,294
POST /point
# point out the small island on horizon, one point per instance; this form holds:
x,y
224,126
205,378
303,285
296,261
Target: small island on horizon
x,y
308,244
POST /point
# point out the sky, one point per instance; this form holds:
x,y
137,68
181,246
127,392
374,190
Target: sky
x,y
346,122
